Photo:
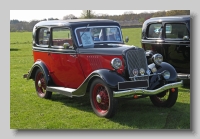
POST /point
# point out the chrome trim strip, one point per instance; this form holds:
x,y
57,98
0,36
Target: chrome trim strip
x,y
183,76
154,74
53,50
147,92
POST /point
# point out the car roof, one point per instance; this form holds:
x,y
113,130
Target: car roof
x,y
170,18
179,18
72,22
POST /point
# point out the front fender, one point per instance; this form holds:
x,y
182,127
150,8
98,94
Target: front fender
x,y
111,78
155,81
170,68
42,66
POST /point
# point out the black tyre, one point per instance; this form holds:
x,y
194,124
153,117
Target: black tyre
x,y
166,98
41,84
101,98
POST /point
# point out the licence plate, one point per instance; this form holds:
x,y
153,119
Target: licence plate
x,y
132,84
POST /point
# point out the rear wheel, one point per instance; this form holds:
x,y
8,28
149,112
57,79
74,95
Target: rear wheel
x,y
102,100
166,98
41,84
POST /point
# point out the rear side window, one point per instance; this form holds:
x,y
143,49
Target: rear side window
x,y
61,36
176,31
42,38
154,30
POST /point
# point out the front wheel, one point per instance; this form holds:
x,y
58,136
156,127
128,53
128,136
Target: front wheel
x,y
41,84
166,98
102,100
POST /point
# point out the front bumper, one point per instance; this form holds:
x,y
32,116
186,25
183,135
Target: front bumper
x,y
146,92
182,76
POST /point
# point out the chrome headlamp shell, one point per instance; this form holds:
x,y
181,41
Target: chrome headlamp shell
x,y
157,59
116,63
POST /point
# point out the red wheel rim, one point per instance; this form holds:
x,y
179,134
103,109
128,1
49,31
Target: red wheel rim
x,y
40,84
162,99
100,91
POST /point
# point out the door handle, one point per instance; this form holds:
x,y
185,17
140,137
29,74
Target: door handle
x,y
73,55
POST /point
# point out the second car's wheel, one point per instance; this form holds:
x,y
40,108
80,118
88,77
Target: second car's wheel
x,y
41,84
102,100
165,99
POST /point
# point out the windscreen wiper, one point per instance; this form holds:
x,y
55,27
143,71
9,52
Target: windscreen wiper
x,y
84,30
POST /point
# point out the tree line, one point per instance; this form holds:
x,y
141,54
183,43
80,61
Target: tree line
x,y
126,19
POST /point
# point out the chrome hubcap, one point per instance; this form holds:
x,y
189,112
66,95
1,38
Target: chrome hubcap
x,y
39,83
98,98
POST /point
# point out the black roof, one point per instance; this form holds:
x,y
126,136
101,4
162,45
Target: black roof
x,y
170,18
75,22
180,18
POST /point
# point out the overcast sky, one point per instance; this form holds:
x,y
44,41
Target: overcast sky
x,y
28,15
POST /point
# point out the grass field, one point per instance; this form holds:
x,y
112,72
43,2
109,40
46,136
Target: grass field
x,y
28,111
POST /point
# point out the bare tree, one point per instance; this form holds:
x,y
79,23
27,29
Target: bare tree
x,y
129,12
70,16
177,12
159,14
87,14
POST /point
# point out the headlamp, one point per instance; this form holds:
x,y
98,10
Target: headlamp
x,y
157,59
116,63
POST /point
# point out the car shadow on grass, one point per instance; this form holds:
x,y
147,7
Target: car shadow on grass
x,y
138,113
14,49
82,103
142,114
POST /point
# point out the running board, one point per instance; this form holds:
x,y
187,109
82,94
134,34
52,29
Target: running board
x,y
61,90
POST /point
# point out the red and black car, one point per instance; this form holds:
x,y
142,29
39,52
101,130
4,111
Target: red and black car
x,y
79,56
169,36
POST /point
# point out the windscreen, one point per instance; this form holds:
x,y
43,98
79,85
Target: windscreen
x,y
88,36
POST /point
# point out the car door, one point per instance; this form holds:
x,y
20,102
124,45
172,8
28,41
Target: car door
x,y
176,45
40,45
65,66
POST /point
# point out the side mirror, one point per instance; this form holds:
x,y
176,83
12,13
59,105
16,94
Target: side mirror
x,y
126,39
66,45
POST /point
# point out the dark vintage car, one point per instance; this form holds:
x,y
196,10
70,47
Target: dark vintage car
x,y
169,36
79,56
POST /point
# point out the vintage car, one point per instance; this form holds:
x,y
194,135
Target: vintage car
x,y
170,37
80,56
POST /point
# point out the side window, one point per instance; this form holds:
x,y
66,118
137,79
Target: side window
x,y
154,30
61,37
176,31
42,37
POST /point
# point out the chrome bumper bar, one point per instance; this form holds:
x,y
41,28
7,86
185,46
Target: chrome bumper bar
x,y
146,92
183,76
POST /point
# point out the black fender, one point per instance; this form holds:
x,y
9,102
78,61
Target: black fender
x,y
43,67
155,81
111,78
170,68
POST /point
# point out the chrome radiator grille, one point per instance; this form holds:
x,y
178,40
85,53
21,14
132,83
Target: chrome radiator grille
x,y
136,59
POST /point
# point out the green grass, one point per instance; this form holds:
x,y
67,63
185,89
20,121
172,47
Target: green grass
x,y
134,35
28,111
